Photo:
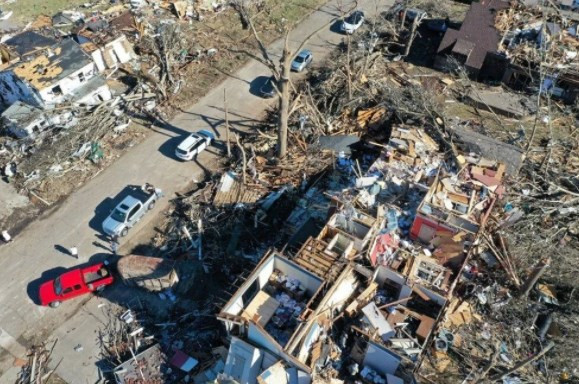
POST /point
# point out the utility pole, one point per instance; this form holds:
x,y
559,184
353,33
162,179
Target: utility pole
x,y
200,230
226,123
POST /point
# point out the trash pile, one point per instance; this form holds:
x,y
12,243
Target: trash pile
x,y
539,38
137,345
86,138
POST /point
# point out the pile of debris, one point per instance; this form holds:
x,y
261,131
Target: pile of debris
x,y
36,369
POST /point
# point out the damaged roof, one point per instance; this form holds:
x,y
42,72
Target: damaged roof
x,y
507,154
477,35
21,112
46,70
28,42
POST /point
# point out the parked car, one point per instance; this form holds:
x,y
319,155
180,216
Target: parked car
x,y
194,144
267,90
131,210
75,283
353,22
397,12
302,60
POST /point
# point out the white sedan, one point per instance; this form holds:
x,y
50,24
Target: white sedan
x,y
353,22
194,144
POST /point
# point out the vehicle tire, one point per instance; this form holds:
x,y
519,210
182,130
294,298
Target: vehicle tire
x,y
100,288
124,232
151,205
54,304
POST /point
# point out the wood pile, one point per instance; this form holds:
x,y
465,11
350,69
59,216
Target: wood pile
x,y
36,369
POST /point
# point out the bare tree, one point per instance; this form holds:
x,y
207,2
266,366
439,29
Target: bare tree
x,y
281,72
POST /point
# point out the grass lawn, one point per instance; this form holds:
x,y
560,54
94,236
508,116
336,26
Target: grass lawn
x,y
28,10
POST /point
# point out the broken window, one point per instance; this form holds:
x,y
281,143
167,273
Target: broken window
x,y
81,77
57,90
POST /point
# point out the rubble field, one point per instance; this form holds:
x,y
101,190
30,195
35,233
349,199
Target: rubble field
x,y
422,228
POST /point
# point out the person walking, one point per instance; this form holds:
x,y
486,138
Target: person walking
x,y
115,245
73,252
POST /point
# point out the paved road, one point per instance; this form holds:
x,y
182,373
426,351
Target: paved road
x,y
35,254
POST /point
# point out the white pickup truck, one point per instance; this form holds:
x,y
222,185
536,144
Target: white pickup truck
x,y
129,211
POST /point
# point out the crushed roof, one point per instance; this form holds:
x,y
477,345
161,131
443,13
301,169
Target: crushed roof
x,y
28,42
21,112
44,71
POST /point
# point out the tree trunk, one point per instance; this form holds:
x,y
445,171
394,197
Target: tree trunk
x,y
411,37
538,270
284,90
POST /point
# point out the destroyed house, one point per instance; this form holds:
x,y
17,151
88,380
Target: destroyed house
x,y
459,203
474,45
247,364
53,76
283,307
107,51
526,43
348,232
23,120
392,320
272,303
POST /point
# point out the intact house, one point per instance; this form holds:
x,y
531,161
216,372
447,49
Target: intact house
x,y
61,73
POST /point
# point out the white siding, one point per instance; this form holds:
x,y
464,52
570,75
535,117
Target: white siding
x,y
93,98
68,84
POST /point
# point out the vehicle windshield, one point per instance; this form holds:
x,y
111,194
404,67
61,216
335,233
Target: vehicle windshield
x,y
354,18
299,59
119,216
57,286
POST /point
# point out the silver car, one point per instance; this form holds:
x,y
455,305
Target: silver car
x,y
302,60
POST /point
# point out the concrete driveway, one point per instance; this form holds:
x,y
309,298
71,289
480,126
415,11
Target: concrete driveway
x,y
35,254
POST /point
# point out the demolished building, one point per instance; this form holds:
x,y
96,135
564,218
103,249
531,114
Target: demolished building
x,y
380,276
499,42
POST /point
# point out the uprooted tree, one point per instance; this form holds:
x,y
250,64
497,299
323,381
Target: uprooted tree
x,y
281,71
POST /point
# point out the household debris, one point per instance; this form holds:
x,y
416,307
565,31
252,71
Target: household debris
x,y
411,255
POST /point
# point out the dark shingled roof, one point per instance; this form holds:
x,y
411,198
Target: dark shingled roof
x,y
469,141
28,42
477,31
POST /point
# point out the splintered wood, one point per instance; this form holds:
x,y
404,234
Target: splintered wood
x,y
231,190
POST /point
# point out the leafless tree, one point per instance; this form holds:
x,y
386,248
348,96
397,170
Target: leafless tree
x,y
281,72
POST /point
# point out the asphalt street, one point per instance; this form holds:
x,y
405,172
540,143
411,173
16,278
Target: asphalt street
x,y
35,254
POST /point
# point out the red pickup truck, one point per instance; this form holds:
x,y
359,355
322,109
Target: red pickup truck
x,y
75,283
